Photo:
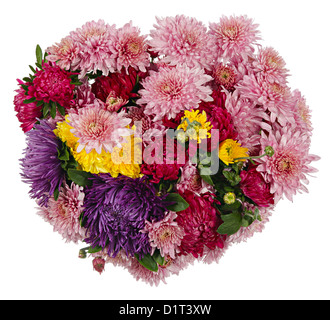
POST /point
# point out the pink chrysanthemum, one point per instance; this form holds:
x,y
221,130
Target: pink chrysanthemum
x,y
286,170
234,35
51,83
27,113
200,222
139,272
224,76
165,235
172,90
130,49
302,113
66,53
245,233
191,180
274,97
99,129
183,40
244,111
64,212
271,65
95,40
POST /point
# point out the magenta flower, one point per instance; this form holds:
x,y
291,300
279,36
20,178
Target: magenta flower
x,y
27,113
254,187
183,40
51,83
172,90
99,129
200,222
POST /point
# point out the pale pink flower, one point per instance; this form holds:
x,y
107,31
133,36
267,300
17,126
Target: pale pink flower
x,y
225,76
243,110
286,170
302,113
245,233
95,40
99,129
64,213
234,35
66,53
129,49
211,256
174,89
274,97
271,65
191,180
165,235
139,272
183,40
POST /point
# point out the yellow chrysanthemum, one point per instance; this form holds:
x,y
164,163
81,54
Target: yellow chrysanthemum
x,y
195,125
120,161
230,151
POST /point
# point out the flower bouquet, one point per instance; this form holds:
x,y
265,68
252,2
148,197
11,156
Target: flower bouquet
x,y
156,151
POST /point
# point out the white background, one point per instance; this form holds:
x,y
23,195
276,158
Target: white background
x,y
289,260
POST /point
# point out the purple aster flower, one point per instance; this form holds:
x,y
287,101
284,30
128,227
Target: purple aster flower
x,y
41,166
116,210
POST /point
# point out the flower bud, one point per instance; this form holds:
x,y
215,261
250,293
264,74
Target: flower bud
x,y
229,198
269,151
82,254
98,264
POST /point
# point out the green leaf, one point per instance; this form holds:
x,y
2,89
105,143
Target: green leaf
x,y
179,204
231,223
148,262
45,110
63,154
158,258
95,249
56,193
231,207
26,79
32,69
40,103
207,179
52,109
39,55
30,100
79,177
61,109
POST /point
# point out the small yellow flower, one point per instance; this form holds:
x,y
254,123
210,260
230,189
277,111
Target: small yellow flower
x,y
195,125
229,198
230,151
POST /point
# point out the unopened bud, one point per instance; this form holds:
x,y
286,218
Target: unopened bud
x,y
98,264
229,198
82,254
269,151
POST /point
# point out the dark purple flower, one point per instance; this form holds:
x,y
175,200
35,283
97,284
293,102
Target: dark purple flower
x,y
116,210
41,166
